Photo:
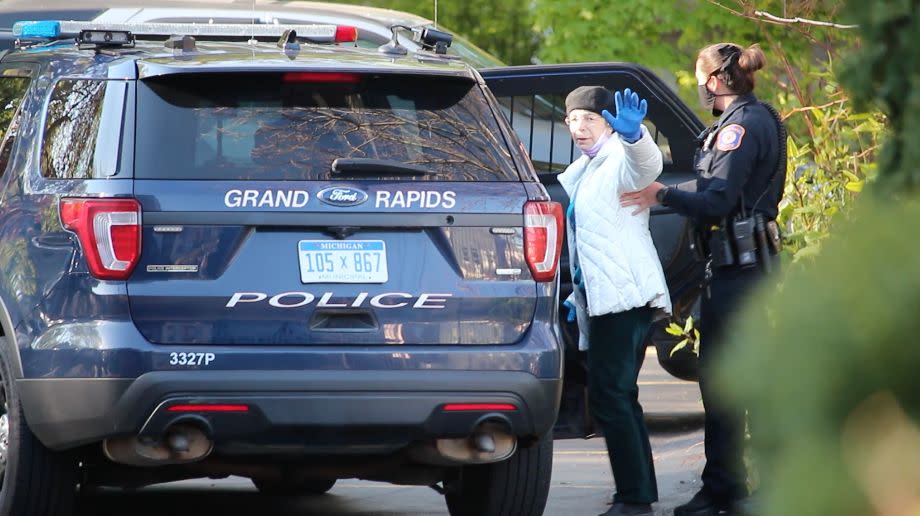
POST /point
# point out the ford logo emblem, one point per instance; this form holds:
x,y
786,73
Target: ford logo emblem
x,y
342,196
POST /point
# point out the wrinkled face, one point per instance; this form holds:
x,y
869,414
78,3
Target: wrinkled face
x,y
586,127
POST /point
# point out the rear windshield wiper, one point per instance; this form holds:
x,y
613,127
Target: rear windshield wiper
x,y
366,166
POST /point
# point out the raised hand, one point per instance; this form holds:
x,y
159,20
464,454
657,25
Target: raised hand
x,y
630,113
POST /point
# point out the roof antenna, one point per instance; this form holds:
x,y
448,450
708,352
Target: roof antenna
x,y
436,14
393,48
252,40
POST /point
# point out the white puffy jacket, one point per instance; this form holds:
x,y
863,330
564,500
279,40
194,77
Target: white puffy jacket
x,y
619,265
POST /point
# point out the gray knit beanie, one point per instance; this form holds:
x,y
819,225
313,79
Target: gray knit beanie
x,y
590,98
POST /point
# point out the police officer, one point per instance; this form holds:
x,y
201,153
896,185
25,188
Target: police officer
x,y
741,170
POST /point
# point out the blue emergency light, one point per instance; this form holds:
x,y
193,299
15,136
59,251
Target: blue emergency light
x,y
46,29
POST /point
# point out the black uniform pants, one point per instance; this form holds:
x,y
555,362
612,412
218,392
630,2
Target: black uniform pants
x,y
724,476
615,355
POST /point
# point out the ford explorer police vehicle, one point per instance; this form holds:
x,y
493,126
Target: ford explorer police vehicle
x,y
250,251
531,99
264,252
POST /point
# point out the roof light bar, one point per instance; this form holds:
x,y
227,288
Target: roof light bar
x,y
106,38
317,33
346,34
37,29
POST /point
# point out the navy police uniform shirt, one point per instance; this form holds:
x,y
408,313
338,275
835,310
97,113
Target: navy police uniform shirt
x,y
736,161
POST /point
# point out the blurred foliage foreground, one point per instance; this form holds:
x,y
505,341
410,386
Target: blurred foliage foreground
x,y
829,373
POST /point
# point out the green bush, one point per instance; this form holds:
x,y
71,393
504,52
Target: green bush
x,y
837,339
828,168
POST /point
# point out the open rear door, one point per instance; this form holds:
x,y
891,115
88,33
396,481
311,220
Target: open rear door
x,y
533,101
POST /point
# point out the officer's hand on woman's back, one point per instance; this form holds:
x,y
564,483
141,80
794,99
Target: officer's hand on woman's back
x,y
643,199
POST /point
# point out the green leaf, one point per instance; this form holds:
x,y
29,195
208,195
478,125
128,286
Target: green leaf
x,y
680,345
806,209
675,330
689,325
809,251
851,176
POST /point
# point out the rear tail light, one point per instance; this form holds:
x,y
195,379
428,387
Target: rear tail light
x,y
109,231
543,233
346,34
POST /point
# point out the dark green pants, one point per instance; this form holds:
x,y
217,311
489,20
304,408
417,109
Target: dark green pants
x,y
615,355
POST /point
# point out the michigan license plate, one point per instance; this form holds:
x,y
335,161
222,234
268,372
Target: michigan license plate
x,y
340,261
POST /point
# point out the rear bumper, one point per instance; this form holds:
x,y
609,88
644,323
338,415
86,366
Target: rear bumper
x,y
320,411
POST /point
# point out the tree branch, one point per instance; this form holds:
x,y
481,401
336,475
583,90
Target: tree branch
x,y
866,152
741,14
812,108
776,19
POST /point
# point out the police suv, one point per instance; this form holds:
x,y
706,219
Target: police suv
x,y
257,250
247,250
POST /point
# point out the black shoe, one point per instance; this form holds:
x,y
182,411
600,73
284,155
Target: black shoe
x,y
702,504
629,509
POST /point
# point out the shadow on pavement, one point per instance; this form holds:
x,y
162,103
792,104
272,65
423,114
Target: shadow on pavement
x,y
674,423
223,502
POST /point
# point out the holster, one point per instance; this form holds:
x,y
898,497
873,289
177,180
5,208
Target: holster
x,y
774,238
744,242
720,247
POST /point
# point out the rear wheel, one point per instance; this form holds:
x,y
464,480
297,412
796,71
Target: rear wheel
x,y
36,481
518,486
289,488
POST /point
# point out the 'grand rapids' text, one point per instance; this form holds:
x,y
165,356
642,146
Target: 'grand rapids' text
x,y
423,199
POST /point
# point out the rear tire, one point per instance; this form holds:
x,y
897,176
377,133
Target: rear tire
x,y
36,481
286,488
518,486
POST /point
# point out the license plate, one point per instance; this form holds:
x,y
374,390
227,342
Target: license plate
x,y
341,261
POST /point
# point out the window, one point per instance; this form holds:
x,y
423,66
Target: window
x,y
12,90
538,122
661,140
293,126
83,129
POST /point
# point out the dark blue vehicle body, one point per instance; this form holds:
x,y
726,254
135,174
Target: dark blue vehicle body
x,y
84,342
223,335
216,312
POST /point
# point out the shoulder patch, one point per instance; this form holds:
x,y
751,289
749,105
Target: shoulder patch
x,y
730,137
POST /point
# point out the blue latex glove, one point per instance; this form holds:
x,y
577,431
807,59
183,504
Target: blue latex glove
x,y
572,311
630,113
576,279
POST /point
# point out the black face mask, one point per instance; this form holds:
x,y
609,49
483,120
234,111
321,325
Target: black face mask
x,y
708,99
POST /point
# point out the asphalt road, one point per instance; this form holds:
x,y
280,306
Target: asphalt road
x,y
582,483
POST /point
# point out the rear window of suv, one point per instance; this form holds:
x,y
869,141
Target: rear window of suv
x,y
292,126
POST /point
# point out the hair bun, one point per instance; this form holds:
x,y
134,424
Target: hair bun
x,y
752,59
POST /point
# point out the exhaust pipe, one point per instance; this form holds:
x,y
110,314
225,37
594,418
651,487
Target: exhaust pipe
x,y
489,442
182,442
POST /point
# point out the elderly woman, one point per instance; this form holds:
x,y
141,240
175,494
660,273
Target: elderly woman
x,y
618,279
